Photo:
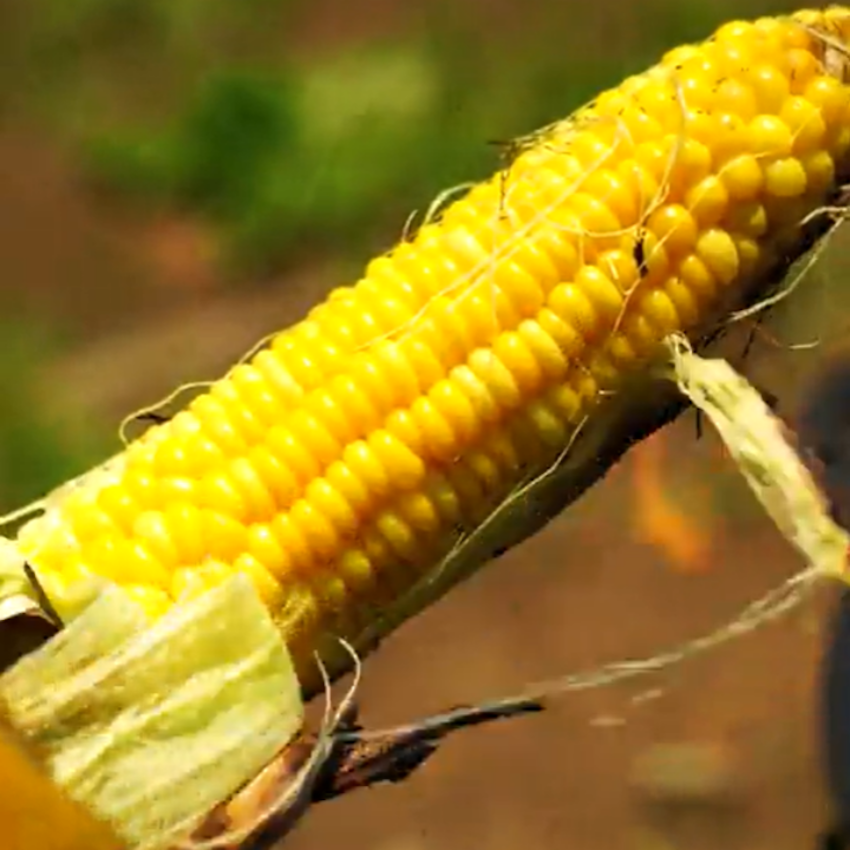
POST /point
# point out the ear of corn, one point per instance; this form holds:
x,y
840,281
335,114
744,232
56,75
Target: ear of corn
x,y
344,461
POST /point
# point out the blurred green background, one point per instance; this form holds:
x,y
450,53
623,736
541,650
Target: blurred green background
x,y
263,136
180,177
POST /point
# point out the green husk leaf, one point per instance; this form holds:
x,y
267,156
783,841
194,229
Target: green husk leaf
x,y
151,726
759,445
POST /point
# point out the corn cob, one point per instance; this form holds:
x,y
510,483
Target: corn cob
x,y
343,461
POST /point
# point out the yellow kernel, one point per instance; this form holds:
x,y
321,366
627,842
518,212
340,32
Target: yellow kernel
x,y
355,406
252,487
402,425
278,376
218,492
170,458
573,306
107,555
239,413
120,506
177,490
304,360
717,250
564,335
523,291
641,183
548,426
356,570
442,495
362,461
560,250
87,519
500,448
640,334
278,479
453,406
830,96
224,537
257,393
696,86
292,542
806,124
217,424
434,331
707,201
769,137
743,177
486,409
803,67
690,162
785,178
404,468
500,383
464,247
594,217
311,433
675,228
184,522
613,191
151,527
329,502
264,546
201,454
820,172
770,87
620,267
659,310
589,149
678,56
519,361
418,511
684,302
268,588
566,401
439,439
735,97
185,424
398,535
749,254
138,565
621,351
350,487
292,454
543,349
728,137
601,292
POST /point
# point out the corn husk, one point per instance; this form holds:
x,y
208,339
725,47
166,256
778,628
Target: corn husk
x,y
152,725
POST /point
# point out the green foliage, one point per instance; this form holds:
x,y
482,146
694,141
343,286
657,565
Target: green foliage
x,y
327,154
38,450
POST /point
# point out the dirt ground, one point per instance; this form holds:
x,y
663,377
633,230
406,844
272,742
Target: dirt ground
x,y
584,592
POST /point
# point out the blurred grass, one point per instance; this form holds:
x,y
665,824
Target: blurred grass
x,y
202,114
38,448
